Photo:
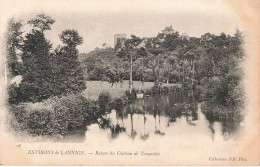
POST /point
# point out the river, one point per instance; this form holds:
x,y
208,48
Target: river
x,y
175,116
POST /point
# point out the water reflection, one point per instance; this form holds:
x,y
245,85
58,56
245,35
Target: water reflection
x,y
177,114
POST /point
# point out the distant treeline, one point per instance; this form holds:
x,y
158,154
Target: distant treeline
x,y
210,63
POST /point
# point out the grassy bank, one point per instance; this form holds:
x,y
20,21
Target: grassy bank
x,y
94,88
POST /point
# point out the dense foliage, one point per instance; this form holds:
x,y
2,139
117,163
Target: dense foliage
x,y
45,73
53,117
37,70
47,99
210,63
13,44
66,67
55,78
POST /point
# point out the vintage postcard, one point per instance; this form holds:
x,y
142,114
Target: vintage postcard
x,y
130,82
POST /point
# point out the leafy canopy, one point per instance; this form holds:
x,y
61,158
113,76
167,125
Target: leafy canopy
x,y
42,22
71,38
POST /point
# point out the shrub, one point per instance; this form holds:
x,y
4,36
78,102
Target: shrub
x,y
55,116
155,89
117,104
217,112
74,109
35,122
165,89
104,100
42,122
130,97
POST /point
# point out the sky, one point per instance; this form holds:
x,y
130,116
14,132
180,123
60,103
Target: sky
x,y
98,20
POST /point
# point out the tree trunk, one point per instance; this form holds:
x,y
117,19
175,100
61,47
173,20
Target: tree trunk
x,y
143,71
183,75
154,71
192,81
131,73
158,70
132,124
179,74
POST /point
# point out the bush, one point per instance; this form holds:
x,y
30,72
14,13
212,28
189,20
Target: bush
x,y
55,116
104,100
217,112
42,122
74,109
166,89
130,97
117,104
35,122
155,90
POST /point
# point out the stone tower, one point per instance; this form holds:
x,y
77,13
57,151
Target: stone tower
x,y
119,40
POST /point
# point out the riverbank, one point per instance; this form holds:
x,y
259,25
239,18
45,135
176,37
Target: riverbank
x,y
94,88
57,116
229,113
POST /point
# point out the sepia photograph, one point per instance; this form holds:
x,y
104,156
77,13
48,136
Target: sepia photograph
x,y
120,82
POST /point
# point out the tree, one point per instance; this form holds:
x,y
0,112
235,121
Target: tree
x,y
128,53
37,73
143,53
190,56
171,61
112,76
169,38
42,22
104,45
71,38
220,72
12,66
133,41
36,69
199,63
68,70
156,66
14,43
